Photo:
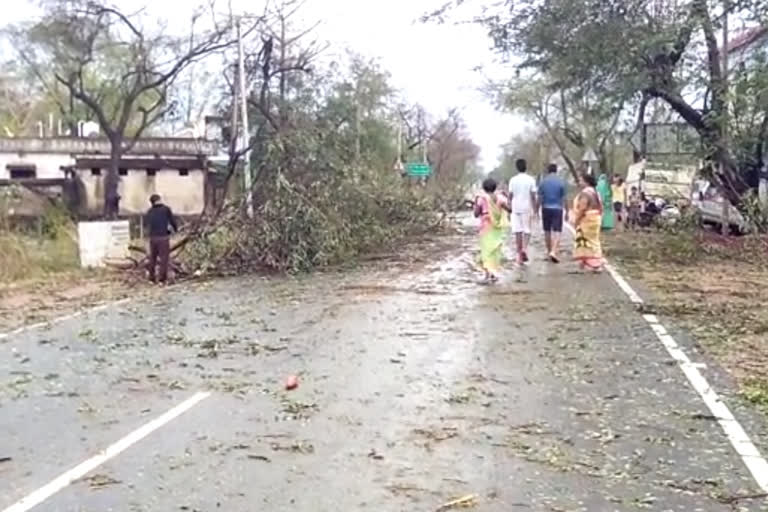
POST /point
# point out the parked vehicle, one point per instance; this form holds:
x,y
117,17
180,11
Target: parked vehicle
x,y
657,210
673,184
709,205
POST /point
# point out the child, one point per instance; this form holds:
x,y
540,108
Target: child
x,y
619,193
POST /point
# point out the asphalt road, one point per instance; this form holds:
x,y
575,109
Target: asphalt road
x,y
547,392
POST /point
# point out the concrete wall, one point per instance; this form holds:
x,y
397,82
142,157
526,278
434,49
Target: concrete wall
x,y
48,165
184,194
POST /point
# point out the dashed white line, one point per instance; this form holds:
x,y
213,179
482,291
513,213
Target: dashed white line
x,y
742,444
43,493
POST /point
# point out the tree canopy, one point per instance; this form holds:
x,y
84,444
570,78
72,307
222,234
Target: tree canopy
x,y
628,54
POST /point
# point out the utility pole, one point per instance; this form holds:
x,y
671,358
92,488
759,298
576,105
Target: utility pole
x,y
399,139
357,130
423,137
725,114
399,160
233,136
244,114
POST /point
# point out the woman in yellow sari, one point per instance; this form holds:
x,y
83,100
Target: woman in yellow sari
x,y
490,208
587,218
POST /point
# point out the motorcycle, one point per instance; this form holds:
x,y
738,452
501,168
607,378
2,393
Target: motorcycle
x,y
658,210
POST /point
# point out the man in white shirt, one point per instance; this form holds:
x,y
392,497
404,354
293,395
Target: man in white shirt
x,y
522,193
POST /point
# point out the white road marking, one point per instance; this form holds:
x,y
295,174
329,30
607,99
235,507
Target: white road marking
x,y
742,444
60,319
40,495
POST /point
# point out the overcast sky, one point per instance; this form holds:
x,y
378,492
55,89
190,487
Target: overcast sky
x,y
434,65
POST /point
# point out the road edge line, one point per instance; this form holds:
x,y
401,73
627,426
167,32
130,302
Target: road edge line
x,y
737,436
65,479
59,319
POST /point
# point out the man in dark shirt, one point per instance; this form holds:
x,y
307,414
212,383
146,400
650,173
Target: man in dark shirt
x,y
159,220
553,208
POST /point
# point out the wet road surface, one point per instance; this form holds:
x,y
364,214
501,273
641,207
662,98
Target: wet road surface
x,y
547,392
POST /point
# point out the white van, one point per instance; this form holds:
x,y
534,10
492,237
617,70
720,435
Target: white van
x,y
675,183
709,203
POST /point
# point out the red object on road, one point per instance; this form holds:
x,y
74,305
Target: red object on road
x,y
291,382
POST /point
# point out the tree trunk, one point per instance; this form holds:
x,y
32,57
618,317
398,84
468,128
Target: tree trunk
x,y
112,180
71,115
283,76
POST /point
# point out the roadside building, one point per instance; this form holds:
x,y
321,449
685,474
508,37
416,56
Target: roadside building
x,y
74,169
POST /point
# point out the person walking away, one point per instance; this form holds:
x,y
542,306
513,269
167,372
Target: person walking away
x,y
634,208
587,219
522,194
553,206
490,208
619,193
159,221
606,198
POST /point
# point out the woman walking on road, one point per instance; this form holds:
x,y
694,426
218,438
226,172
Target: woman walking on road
x,y
604,189
490,208
587,219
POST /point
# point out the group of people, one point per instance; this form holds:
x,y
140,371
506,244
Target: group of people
x,y
524,201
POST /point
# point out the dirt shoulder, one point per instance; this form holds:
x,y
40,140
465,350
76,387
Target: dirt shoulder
x,y
43,299
714,287
58,294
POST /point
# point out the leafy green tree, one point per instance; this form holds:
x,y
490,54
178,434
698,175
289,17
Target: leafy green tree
x,y
640,51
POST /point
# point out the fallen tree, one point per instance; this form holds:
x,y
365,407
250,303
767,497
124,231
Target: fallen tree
x,y
323,187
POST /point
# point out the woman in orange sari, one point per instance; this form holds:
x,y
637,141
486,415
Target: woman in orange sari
x,y
587,218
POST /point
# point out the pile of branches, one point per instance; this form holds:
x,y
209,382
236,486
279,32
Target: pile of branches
x,y
298,227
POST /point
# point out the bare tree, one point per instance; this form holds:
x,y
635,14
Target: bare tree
x,y
120,70
452,152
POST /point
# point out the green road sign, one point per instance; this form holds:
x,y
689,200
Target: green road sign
x,y
418,169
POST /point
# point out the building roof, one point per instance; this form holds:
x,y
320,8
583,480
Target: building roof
x,y
151,146
143,163
746,38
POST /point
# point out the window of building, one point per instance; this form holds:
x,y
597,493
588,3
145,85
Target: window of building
x,y
151,172
95,171
123,172
183,172
22,172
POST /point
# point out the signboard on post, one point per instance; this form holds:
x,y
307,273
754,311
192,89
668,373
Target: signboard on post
x,y
669,139
589,156
418,170
102,240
